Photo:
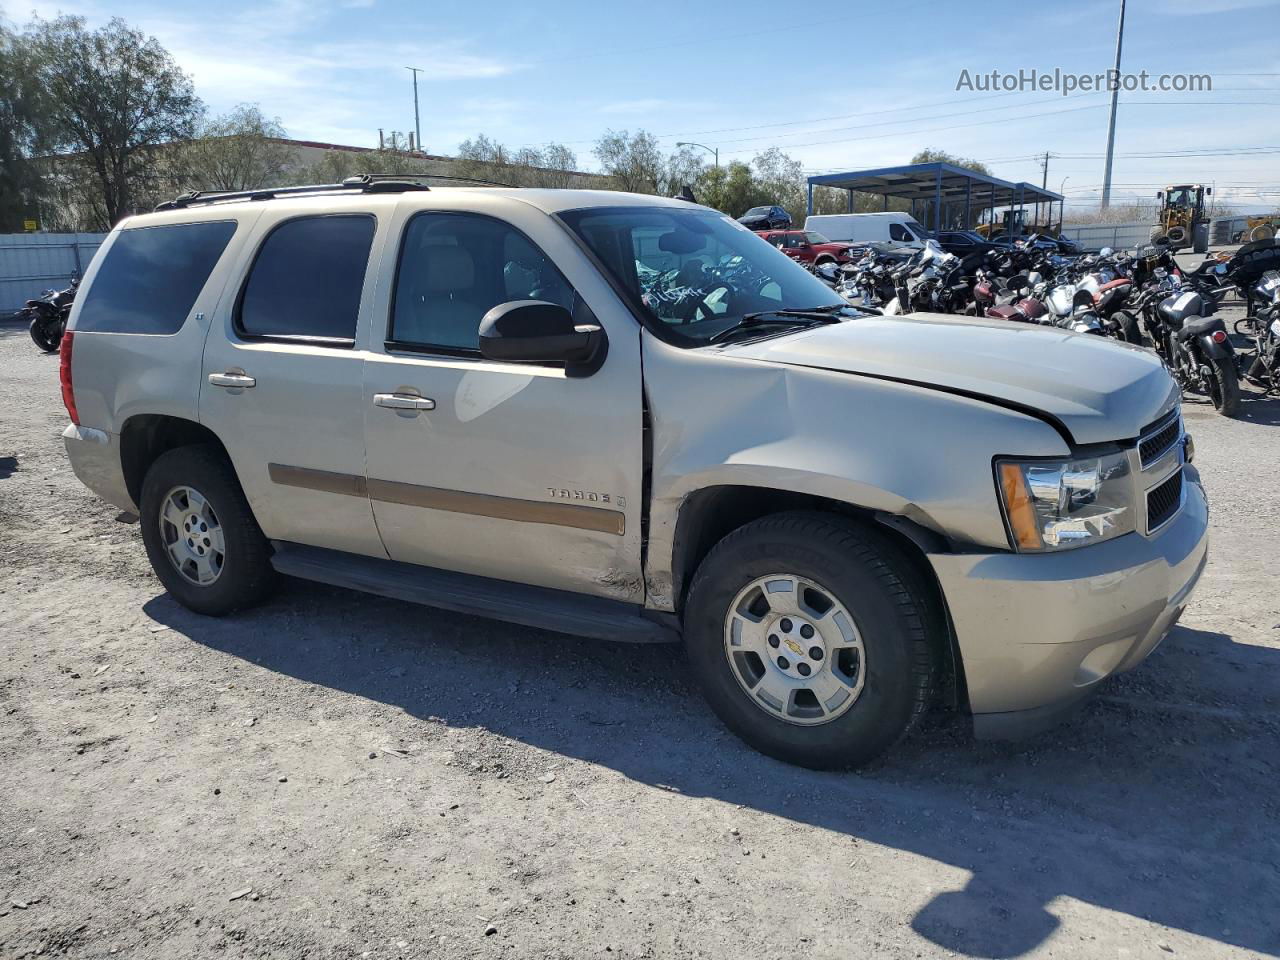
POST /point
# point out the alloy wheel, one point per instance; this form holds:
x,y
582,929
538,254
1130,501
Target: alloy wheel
x,y
794,649
192,536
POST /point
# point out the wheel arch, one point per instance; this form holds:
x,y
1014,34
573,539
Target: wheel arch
x,y
708,515
144,437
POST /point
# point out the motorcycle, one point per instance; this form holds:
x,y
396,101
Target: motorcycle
x,y
932,280
1262,326
1192,343
47,316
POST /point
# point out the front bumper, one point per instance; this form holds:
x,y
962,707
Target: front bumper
x,y
95,459
1038,632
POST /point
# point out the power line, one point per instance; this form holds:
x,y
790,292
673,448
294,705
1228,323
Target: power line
x,y
1030,116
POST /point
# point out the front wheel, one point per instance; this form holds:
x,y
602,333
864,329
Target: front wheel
x,y
201,537
1224,386
46,333
810,637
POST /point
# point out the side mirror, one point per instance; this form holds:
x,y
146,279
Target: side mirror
x,y
1208,191
1159,194
534,331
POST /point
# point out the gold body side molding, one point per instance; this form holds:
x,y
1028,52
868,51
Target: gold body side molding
x,y
454,501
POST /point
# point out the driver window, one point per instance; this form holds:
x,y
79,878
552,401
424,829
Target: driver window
x,y
454,268
898,232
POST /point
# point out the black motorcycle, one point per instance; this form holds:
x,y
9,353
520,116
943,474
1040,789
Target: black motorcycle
x,y
1262,326
1192,342
48,316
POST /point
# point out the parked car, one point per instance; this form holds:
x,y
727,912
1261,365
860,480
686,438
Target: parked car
x,y
964,242
1059,245
766,218
810,247
892,228
624,417
1068,247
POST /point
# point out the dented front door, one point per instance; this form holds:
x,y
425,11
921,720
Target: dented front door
x,y
516,472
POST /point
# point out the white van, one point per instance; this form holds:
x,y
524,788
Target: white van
x,y
893,228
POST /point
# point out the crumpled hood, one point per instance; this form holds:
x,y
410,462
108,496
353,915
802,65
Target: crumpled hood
x,y
1098,388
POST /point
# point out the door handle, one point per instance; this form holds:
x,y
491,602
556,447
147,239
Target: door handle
x,y
403,401
232,380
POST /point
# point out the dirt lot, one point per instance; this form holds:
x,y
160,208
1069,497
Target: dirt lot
x,y
335,775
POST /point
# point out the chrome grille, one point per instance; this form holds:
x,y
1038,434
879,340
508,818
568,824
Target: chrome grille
x,y
1160,439
1163,501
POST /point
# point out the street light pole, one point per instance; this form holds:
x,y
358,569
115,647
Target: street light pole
x,y
417,127
1111,126
715,152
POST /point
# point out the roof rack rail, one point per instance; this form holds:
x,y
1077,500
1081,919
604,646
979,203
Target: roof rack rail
x,y
367,183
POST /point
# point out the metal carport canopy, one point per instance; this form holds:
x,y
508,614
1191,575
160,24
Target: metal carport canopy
x,y
942,182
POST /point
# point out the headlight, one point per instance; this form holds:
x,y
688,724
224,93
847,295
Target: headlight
x,y
1058,504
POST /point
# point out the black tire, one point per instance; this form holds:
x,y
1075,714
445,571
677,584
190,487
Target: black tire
x,y
895,613
46,333
246,575
1224,389
1130,331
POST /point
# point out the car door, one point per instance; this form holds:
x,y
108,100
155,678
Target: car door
x,y
282,381
512,471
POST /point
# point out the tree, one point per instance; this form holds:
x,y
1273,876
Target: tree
x,y
930,155
240,150
782,180
732,190
635,162
113,95
20,133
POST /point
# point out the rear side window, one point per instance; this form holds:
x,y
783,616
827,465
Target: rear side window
x,y
307,279
151,277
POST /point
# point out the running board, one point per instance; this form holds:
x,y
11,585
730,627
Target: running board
x,y
541,607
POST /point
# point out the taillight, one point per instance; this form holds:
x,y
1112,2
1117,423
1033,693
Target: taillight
x,y
1219,336
64,377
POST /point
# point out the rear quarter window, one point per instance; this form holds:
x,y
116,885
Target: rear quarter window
x,y
151,277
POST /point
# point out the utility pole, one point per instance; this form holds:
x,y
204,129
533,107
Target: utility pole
x,y
417,127
1111,126
1044,185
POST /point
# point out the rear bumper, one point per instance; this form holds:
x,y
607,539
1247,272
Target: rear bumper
x,y
1038,632
95,459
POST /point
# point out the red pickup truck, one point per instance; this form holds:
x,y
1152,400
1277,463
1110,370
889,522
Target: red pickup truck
x,y
809,247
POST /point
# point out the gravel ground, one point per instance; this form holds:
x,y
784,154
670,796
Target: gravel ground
x,y
337,775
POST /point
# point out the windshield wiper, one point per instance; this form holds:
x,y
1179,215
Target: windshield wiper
x,y
792,318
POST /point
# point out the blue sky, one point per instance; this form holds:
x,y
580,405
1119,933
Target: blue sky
x,y
839,87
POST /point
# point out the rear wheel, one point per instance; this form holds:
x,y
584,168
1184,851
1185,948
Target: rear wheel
x,y
1224,386
46,333
201,537
809,635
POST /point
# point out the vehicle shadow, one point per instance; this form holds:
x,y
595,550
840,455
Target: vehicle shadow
x,y
1264,411
1162,814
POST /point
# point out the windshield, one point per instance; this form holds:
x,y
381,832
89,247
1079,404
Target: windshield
x,y
815,237
1182,197
695,271
757,212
